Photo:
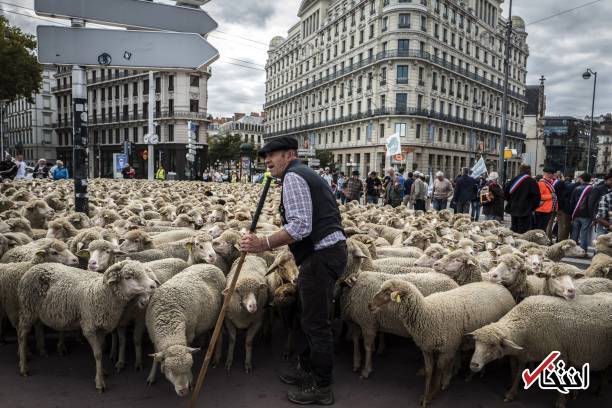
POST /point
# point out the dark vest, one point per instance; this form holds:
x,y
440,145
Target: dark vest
x,y
325,214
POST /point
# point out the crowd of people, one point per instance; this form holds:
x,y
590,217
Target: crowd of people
x,y
561,206
15,168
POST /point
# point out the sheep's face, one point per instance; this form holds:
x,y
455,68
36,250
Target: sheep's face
x,y
222,247
80,222
429,258
215,231
101,258
385,295
217,216
504,272
198,220
57,254
453,262
490,245
467,248
571,249
176,363
487,351
559,283
534,262
135,243
508,239
55,231
40,211
202,250
183,221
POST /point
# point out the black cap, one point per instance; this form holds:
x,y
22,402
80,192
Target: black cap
x,y
280,143
355,172
548,170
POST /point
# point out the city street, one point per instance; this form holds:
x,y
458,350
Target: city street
x,y
68,382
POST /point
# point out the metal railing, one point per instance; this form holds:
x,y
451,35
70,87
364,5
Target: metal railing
x,y
386,55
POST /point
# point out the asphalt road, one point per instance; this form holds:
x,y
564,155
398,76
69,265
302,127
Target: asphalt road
x,y
69,382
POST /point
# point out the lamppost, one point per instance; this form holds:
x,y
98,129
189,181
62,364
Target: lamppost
x,y
587,75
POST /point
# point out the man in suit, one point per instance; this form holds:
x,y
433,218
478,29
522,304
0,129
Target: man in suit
x,y
523,197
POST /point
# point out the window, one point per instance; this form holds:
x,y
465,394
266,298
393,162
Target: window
x,y
117,92
404,21
145,87
194,80
400,128
193,105
403,46
157,85
402,74
171,133
171,83
401,101
423,23
385,24
135,134
371,34
135,89
145,110
171,107
418,131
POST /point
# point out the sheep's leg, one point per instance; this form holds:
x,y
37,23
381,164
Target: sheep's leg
x,y
39,333
121,355
139,329
218,351
429,368
2,339
382,344
511,394
152,373
62,350
113,351
369,339
24,327
96,341
250,334
355,335
445,370
231,330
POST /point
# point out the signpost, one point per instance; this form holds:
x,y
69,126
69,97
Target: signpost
x,y
80,47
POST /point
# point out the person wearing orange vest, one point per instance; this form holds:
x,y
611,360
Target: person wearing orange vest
x,y
548,200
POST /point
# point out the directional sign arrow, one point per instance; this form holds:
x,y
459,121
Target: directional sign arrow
x,y
123,48
130,13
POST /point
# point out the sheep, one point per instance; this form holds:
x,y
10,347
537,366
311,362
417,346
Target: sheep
x,y
460,266
5,245
603,244
227,248
79,220
581,330
183,221
537,236
419,239
562,249
438,322
601,266
512,272
136,241
66,298
11,273
38,212
407,252
184,307
20,224
432,254
359,259
172,236
246,306
26,253
61,229
101,254
354,302
105,217
163,270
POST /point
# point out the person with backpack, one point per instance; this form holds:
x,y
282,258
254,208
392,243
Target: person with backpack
x,y
582,212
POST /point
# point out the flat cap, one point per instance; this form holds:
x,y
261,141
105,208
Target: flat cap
x,y
548,170
280,143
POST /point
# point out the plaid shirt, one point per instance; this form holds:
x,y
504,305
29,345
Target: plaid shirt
x,y
605,207
298,212
353,189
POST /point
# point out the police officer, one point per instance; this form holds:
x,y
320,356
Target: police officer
x,y
312,228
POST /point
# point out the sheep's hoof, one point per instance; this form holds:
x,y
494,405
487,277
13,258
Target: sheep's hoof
x,y
355,368
138,366
365,374
101,389
424,401
228,365
62,350
150,381
119,366
248,368
24,372
509,397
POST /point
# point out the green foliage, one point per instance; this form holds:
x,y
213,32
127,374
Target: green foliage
x,y
225,148
21,74
326,157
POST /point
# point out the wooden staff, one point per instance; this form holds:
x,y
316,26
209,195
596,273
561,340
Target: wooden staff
x,y
226,299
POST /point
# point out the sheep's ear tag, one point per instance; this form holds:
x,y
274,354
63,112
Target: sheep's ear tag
x,y
189,245
397,298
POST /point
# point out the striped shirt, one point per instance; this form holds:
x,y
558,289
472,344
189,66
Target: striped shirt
x,y
605,207
298,212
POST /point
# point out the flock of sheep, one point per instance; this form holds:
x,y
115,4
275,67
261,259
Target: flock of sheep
x,y
157,257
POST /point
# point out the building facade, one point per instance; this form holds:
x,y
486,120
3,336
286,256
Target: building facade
x,y
535,151
118,103
566,139
250,128
28,127
351,73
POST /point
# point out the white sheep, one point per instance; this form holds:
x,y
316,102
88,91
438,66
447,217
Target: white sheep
x,y
438,322
184,307
66,298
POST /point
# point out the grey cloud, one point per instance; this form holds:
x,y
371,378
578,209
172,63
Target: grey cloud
x,y
245,12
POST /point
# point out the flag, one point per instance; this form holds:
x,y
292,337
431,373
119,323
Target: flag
x,y
479,168
394,145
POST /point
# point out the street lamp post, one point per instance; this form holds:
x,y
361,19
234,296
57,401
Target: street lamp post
x,y
587,75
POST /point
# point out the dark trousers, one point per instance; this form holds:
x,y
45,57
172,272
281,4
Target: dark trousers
x,y
541,220
314,340
419,205
462,207
520,225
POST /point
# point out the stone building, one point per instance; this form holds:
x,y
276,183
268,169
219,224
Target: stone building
x,y
352,72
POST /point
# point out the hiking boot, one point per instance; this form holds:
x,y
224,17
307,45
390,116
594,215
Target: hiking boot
x,y
295,376
312,395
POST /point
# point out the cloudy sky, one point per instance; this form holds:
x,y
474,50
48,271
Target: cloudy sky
x,y
561,48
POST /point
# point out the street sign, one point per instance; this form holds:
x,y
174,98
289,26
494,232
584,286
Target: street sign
x,y
130,13
190,157
314,162
123,48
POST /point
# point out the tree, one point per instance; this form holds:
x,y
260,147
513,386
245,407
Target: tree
x,y
21,74
326,157
225,148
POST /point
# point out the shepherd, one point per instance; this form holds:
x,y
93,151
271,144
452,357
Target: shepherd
x,y
313,230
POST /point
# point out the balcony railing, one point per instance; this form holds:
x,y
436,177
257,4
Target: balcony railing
x,y
143,117
414,112
386,55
